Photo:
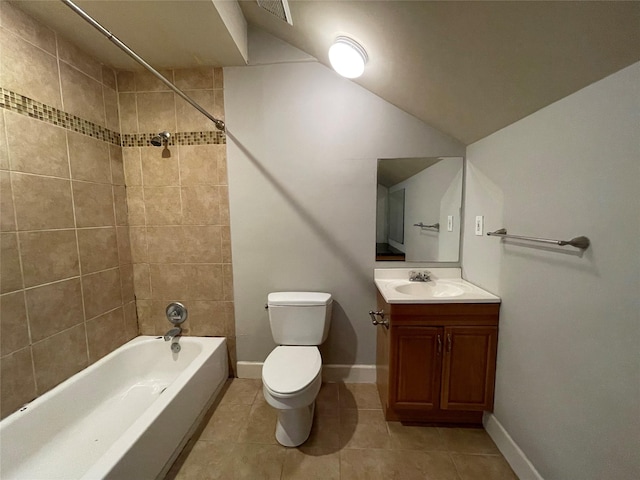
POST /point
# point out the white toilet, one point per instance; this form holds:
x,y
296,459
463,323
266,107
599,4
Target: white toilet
x,y
292,373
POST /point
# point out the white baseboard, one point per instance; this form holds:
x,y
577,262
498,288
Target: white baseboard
x,y
330,373
516,458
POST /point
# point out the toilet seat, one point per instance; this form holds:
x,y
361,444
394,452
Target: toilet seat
x,y
288,370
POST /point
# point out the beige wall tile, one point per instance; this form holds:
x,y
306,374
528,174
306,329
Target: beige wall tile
x,y
105,333
162,205
194,78
218,109
7,214
28,70
147,82
171,280
142,281
201,205
82,95
93,204
227,282
132,166
29,29
156,112
126,81
54,308
159,171
124,246
16,380
117,164
188,283
4,154
109,77
128,112
60,356
47,156
126,281
199,164
210,318
14,332
166,244
130,321
202,244
102,292
225,234
218,78
225,215
74,56
10,271
98,249
42,202
48,256
222,165
112,116
135,206
120,205
190,119
206,282
138,237
89,158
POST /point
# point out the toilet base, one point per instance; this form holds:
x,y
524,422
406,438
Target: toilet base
x,y
294,425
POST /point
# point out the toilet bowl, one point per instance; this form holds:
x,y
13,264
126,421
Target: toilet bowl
x,y
292,373
291,380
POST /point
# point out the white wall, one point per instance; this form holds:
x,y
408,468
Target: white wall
x,y
303,145
568,379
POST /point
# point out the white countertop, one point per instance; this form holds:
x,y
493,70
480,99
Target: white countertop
x,y
446,286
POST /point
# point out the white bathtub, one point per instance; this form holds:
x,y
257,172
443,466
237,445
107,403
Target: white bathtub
x,y
124,417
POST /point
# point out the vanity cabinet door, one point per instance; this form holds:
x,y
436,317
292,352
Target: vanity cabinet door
x,y
468,374
416,365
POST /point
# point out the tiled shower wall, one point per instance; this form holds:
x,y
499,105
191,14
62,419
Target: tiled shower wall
x,y
178,202
66,279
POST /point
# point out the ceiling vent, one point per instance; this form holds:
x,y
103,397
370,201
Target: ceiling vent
x,y
279,8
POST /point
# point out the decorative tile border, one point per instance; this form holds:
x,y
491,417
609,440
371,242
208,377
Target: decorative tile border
x,y
215,137
17,103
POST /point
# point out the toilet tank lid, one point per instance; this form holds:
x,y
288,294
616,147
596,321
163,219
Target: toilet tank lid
x,y
299,298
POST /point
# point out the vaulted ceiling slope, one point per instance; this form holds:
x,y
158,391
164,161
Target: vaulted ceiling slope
x,y
465,68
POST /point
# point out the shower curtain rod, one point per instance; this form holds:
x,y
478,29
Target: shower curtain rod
x,y
217,122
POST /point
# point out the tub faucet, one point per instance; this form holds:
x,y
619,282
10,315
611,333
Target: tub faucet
x,y
419,276
171,334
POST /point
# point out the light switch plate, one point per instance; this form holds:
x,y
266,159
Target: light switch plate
x,y
479,225
450,223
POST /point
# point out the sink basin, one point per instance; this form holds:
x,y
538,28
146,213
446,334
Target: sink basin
x,y
445,286
439,289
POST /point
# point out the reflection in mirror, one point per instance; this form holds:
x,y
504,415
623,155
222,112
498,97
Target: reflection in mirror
x,y
419,203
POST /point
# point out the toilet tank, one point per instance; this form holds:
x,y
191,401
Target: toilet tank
x,y
299,318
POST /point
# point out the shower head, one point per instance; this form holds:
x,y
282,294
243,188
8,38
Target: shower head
x,y
219,125
160,139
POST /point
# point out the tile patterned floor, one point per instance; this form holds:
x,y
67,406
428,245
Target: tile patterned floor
x,y
350,440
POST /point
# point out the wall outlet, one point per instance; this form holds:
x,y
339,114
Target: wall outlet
x,y
479,225
450,223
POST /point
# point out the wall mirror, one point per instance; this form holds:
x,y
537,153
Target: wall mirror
x,y
419,209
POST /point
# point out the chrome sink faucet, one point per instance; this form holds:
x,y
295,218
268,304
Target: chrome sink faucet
x,y
171,334
424,276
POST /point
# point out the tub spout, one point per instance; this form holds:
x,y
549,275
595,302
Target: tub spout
x,y
171,334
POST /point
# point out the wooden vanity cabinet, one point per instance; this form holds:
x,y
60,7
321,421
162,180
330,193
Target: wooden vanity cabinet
x,y
436,362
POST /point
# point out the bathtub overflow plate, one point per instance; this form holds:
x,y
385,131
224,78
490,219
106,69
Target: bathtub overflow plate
x,y
176,313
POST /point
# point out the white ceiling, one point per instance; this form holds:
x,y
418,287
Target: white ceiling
x,y
466,68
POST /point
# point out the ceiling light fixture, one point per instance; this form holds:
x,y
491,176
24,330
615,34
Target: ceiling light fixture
x,y
347,57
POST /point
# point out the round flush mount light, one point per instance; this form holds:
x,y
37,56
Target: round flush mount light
x,y
347,57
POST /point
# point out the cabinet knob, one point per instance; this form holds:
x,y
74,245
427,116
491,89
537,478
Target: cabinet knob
x,y
382,320
448,342
439,344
